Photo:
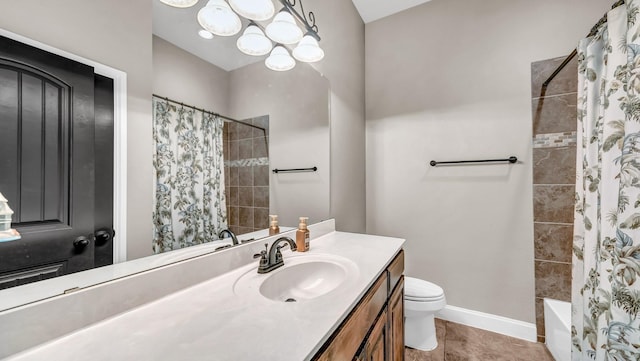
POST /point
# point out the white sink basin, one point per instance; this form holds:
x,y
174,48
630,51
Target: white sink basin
x,y
301,278
303,281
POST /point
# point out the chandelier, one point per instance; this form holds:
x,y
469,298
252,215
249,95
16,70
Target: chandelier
x,y
222,18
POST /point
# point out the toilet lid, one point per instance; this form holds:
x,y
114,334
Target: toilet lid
x,y
420,290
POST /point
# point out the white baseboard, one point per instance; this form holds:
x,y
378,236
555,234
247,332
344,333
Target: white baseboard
x,y
486,321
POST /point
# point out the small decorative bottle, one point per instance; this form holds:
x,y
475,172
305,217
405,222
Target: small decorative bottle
x,y
273,226
5,214
302,235
6,233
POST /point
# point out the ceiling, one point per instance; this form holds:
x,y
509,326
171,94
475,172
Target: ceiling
x,y
372,10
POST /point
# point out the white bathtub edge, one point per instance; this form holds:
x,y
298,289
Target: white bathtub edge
x,y
486,321
561,308
557,322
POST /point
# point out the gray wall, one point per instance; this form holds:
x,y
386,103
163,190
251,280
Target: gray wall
x,y
181,76
342,32
116,33
450,80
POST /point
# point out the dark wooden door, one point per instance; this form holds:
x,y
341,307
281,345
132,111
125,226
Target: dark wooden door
x,y
47,163
103,190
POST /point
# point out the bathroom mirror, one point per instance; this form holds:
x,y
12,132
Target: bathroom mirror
x,y
292,105
296,104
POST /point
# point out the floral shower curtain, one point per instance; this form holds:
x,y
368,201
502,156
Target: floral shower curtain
x,y
189,204
606,258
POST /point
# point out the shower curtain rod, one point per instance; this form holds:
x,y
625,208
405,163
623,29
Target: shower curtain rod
x,y
208,112
593,32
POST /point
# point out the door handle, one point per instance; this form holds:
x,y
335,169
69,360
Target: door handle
x,y
103,236
80,243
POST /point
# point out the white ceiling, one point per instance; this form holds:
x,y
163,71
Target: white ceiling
x,y
372,10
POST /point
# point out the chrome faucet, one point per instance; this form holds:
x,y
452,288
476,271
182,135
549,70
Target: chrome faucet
x,y
273,259
234,239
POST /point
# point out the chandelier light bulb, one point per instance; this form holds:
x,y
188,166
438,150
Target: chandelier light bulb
x,y
218,18
180,3
253,42
284,29
308,50
280,60
205,34
259,10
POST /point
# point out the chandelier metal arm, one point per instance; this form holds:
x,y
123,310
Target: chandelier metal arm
x,y
310,23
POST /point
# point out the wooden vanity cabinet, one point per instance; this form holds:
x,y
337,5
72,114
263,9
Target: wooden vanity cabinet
x,y
374,331
396,323
376,346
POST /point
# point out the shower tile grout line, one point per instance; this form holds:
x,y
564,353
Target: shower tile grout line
x,y
554,95
551,261
554,223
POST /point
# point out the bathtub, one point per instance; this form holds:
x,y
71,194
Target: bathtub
x,y
557,324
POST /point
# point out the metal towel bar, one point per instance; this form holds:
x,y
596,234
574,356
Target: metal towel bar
x,y
511,159
293,170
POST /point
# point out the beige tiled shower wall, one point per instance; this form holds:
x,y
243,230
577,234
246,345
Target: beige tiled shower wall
x,y
554,168
246,156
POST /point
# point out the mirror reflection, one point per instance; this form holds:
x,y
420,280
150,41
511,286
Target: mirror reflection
x,y
291,106
199,157
271,120
211,75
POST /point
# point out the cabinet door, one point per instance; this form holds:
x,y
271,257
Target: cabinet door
x,y
376,348
352,333
396,323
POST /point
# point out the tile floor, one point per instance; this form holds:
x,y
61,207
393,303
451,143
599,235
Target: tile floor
x,y
462,343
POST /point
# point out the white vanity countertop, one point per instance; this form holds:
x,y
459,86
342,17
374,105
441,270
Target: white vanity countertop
x,y
209,321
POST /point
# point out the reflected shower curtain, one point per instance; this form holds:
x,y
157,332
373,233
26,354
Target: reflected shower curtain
x,y
606,258
189,202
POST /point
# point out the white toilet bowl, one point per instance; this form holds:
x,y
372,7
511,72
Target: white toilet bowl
x,y
422,300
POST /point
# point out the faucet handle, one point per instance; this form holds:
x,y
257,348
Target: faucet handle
x,y
279,254
263,254
264,261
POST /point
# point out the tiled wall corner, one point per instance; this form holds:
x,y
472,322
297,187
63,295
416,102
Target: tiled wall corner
x,y
554,167
247,175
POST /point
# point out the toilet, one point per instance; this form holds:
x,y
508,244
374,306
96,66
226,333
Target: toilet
x,y
422,300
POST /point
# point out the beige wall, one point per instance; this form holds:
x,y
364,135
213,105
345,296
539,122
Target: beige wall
x,y
450,80
181,76
342,32
116,33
